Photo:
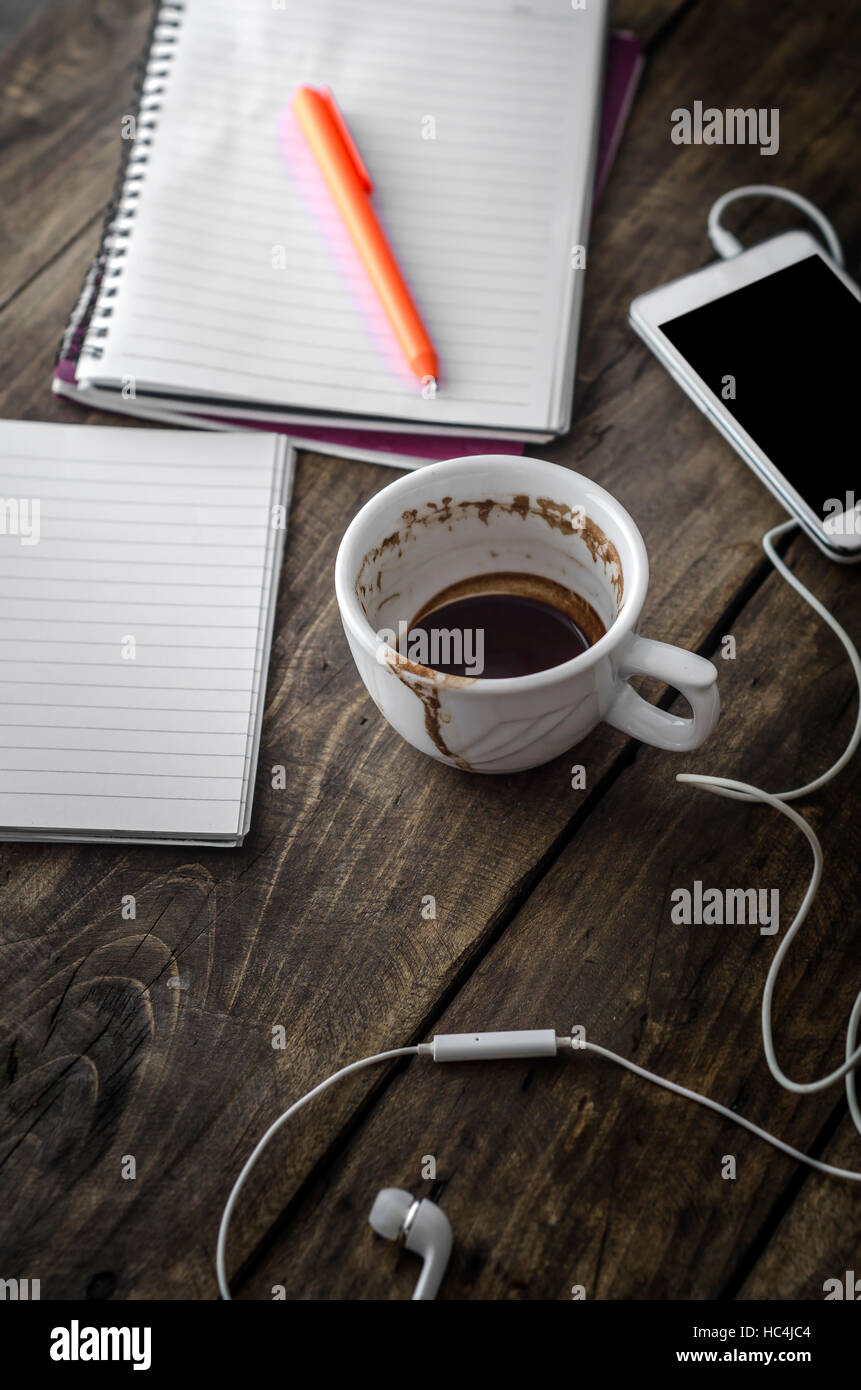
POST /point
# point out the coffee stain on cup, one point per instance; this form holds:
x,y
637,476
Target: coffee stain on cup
x,y
425,684
571,522
559,516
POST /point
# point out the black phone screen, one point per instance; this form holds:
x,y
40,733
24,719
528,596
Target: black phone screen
x,y
782,355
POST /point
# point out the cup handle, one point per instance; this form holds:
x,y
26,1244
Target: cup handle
x,y
691,675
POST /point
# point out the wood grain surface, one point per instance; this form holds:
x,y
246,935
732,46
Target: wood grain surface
x,y
153,1038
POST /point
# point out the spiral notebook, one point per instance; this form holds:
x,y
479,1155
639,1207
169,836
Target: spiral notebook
x,y
138,576
226,284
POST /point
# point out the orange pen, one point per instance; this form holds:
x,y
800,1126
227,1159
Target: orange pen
x,y
350,185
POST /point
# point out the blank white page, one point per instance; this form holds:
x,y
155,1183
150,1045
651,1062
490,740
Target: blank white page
x,y
137,573
235,277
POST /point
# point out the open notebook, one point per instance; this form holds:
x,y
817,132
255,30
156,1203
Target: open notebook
x,y
227,284
138,576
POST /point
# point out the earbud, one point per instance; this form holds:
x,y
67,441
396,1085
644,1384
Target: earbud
x,y
423,1228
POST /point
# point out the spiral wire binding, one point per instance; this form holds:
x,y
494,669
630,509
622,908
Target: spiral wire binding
x,y
89,321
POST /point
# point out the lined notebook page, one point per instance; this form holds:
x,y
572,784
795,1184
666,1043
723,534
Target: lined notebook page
x,y
137,576
236,278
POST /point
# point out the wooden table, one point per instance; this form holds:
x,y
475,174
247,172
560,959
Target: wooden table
x,y
153,1038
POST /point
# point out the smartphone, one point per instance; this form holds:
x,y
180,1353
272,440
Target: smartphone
x,y
767,345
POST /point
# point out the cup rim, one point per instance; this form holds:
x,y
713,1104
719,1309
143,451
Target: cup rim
x,y
634,594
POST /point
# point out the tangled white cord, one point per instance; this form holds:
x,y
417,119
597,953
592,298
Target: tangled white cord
x,y
743,791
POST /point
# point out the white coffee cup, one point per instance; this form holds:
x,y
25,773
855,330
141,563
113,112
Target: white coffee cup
x,y
451,521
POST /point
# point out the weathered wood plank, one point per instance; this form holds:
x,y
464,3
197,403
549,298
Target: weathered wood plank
x,y
66,82
818,1237
16,14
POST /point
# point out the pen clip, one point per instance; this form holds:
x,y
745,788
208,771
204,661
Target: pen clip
x,y
327,95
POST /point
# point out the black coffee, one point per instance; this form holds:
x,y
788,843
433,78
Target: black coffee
x,y
514,625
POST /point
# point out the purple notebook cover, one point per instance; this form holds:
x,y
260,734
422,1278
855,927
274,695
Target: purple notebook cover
x,y
624,66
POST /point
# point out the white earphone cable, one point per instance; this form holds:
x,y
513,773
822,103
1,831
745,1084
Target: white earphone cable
x,y
744,791
796,793
221,1248
829,1169
727,244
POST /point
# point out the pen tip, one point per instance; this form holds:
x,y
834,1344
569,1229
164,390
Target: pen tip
x,y
429,387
